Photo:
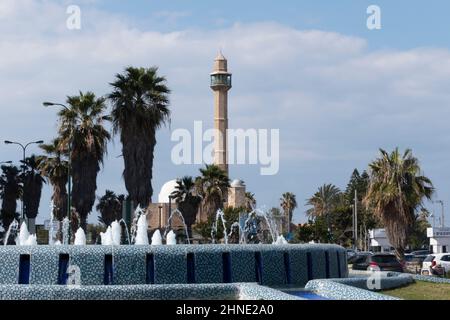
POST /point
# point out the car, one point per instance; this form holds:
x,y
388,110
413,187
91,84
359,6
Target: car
x,y
350,253
413,264
436,263
379,261
421,253
358,257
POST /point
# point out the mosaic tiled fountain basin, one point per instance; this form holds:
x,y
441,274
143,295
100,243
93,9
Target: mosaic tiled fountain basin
x,y
140,271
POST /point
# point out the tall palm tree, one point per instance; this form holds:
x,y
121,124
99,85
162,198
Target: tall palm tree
x,y
212,185
250,201
140,100
55,169
396,191
187,201
323,201
288,203
32,182
82,129
110,207
10,191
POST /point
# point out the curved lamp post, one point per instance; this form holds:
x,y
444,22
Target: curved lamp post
x,y
24,149
69,162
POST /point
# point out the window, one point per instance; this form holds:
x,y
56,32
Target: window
x,y
445,258
430,258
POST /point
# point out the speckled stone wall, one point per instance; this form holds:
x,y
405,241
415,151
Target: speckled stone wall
x,y
268,264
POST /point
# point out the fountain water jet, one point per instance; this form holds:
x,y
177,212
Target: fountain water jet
x,y
116,232
80,238
169,223
106,237
157,238
141,232
171,238
219,215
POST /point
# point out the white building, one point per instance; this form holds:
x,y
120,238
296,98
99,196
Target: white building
x,y
439,239
379,241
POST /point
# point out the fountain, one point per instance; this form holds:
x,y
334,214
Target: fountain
x,y
219,215
23,234
106,237
125,227
116,233
169,224
141,232
51,231
80,238
171,239
65,231
156,238
134,225
12,230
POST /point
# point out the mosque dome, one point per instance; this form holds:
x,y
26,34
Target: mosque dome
x,y
166,191
237,183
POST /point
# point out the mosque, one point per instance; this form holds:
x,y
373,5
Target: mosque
x,y
220,84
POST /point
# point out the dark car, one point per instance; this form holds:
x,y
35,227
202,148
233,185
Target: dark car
x,y
379,261
358,257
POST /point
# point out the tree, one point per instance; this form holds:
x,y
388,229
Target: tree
x,y
396,190
140,100
55,169
82,131
324,202
110,207
187,201
212,186
418,239
250,201
32,182
10,191
288,203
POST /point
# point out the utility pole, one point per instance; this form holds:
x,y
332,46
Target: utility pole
x,y
442,212
355,231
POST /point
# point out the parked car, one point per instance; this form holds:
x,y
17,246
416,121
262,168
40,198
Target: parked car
x,y
358,257
350,253
413,264
436,264
421,253
379,261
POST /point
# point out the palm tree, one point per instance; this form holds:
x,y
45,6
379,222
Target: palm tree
x,y
10,191
55,170
187,201
140,100
82,129
32,182
212,186
110,207
323,201
396,191
250,201
288,203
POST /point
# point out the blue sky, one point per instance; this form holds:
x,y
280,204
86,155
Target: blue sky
x,y
336,90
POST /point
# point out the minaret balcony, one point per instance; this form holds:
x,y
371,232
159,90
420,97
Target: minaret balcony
x,y
221,80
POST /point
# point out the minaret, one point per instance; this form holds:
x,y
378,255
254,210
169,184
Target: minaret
x,y
220,84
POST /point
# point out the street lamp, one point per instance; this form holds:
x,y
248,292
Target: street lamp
x,y
69,164
24,149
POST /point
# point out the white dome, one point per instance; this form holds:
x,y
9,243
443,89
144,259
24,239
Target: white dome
x,y
237,183
166,191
